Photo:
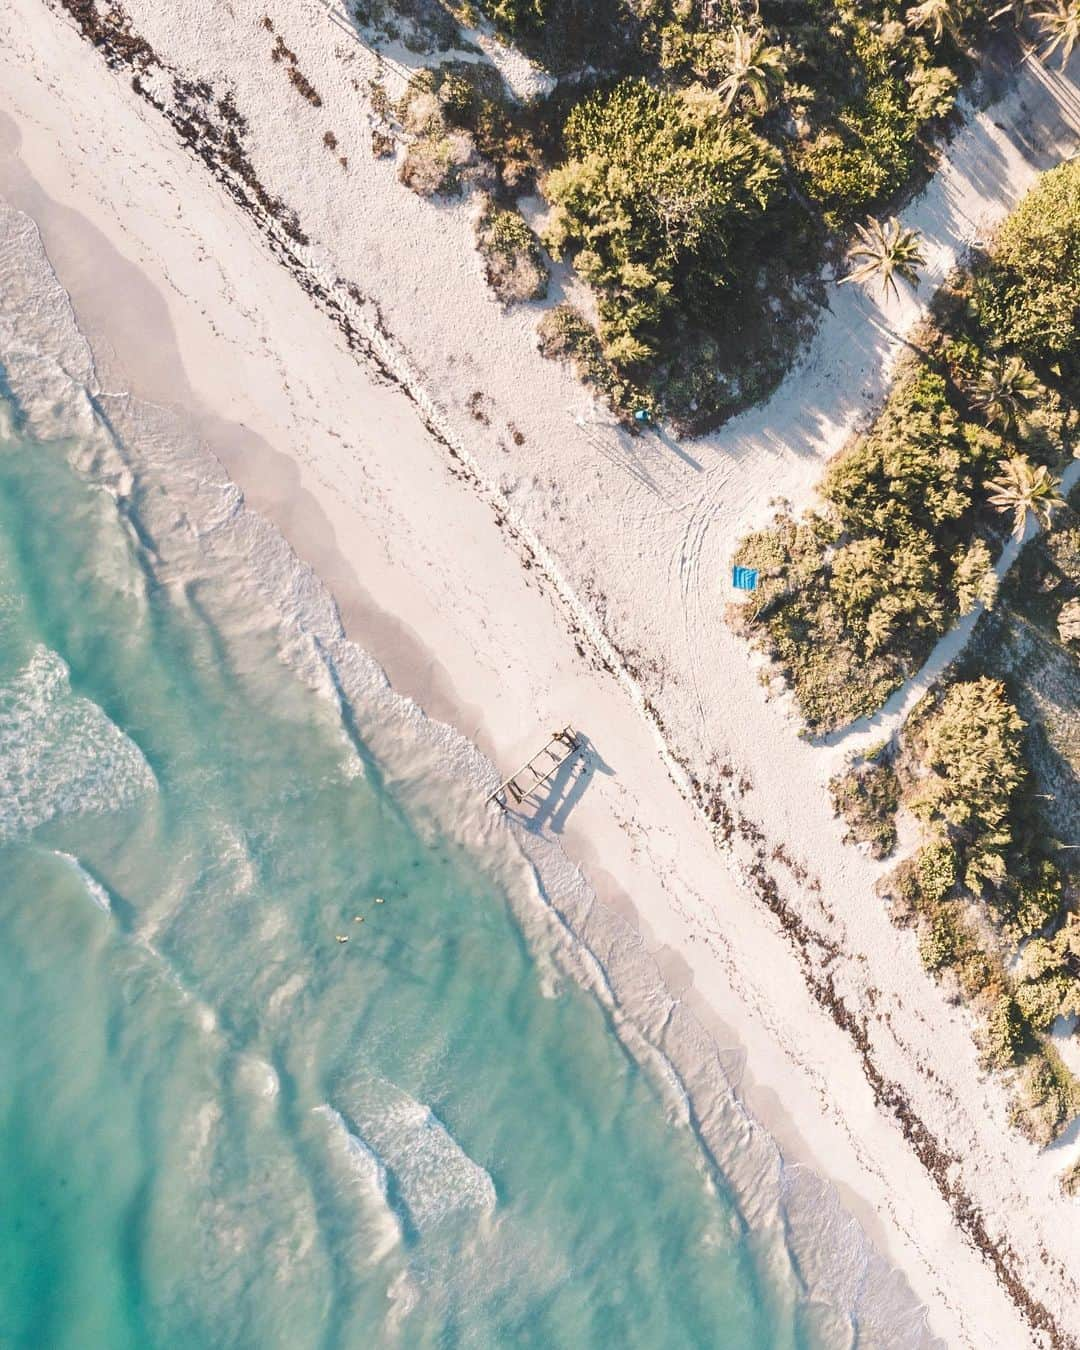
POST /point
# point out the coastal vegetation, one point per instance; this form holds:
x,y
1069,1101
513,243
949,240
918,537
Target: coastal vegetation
x,y
702,160
515,264
980,420
988,769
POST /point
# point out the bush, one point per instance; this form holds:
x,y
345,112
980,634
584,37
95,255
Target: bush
x,y
655,185
937,868
1003,1034
565,334
903,894
943,940
433,163
516,268
1049,986
867,797
972,750
1029,905
1043,1001
1047,1097
438,153
1028,294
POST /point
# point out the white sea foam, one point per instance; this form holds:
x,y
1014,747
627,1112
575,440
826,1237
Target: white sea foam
x,y
435,1177
94,889
443,776
368,1170
258,1077
59,753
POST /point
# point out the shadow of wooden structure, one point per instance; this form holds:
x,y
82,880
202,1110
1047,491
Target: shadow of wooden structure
x,y
538,770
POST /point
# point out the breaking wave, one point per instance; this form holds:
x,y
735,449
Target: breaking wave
x,y
94,889
435,1177
369,1176
61,754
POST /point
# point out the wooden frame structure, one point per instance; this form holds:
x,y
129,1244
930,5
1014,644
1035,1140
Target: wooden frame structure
x,y
550,759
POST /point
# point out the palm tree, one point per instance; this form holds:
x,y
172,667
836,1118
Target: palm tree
x,y
755,68
1060,22
887,251
1004,392
942,16
1014,8
1022,488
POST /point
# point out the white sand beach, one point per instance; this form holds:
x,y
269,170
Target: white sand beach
x,y
516,562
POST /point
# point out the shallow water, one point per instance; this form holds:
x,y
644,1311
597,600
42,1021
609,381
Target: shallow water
x,y
219,1126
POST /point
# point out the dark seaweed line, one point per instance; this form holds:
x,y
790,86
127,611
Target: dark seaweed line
x,y
219,144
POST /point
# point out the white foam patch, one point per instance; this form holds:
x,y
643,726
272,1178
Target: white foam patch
x,y
367,1169
59,754
258,1077
94,889
436,1178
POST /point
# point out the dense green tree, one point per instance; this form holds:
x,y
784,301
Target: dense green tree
x,y
656,184
1028,293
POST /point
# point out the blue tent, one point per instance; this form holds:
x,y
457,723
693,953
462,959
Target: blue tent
x,y
744,578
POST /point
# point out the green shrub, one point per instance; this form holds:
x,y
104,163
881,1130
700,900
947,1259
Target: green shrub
x,y
937,867
656,183
972,750
942,941
1042,1001
1029,905
902,894
1004,1033
1049,986
867,159
516,268
565,334
919,470
1028,294
933,93
1046,1099
867,797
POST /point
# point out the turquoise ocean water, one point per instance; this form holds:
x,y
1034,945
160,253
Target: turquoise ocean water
x,y
218,1125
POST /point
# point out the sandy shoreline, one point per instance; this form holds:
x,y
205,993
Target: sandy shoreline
x,y
426,583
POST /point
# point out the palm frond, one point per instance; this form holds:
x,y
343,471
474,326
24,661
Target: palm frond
x,y
884,252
